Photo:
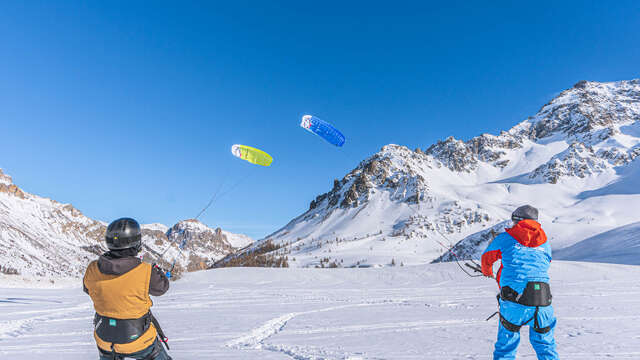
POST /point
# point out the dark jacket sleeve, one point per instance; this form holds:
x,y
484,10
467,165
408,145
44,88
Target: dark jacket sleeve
x,y
84,287
159,283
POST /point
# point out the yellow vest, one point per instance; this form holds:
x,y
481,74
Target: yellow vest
x,y
123,296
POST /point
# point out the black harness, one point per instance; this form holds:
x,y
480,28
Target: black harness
x,y
536,294
154,353
121,331
125,331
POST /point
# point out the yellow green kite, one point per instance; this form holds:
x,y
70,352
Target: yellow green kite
x,y
252,155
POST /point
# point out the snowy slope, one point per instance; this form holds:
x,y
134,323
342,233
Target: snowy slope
x,y
619,246
237,241
40,237
417,312
576,160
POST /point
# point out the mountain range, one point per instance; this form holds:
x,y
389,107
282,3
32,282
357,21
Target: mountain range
x,y
576,160
40,237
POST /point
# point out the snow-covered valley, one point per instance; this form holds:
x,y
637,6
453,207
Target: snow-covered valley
x,y
412,312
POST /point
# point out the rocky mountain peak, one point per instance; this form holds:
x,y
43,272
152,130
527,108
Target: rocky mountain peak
x,y
586,107
454,154
589,113
394,168
200,235
8,187
5,179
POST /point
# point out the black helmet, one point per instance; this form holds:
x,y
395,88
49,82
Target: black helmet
x,y
124,233
525,212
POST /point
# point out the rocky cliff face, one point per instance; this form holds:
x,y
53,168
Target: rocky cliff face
x,y
377,172
588,116
409,205
43,238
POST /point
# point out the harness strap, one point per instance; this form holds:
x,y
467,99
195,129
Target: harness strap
x,y
154,353
536,324
163,338
113,353
492,315
516,328
509,325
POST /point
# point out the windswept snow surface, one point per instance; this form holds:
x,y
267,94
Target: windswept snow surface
x,y
415,312
618,246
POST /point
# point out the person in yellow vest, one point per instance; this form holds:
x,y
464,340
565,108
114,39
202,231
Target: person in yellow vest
x,y
119,285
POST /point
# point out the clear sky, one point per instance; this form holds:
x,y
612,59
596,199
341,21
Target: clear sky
x,y
129,108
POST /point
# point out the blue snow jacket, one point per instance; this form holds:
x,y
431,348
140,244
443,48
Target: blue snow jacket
x,y
525,254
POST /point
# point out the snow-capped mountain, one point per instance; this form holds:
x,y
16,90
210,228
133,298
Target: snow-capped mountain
x,y
576,160
42,237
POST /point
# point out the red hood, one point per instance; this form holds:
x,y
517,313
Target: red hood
x,y
528,233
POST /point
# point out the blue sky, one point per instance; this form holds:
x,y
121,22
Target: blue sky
x,y
127,108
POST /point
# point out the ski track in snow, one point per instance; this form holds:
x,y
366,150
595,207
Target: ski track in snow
x,y
255,339
20,327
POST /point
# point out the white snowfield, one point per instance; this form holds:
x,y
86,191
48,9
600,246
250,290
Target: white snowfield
x,y
618,246
412,312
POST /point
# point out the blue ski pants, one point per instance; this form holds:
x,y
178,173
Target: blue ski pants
x,y
543,343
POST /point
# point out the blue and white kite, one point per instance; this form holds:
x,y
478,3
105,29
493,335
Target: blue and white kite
x,y
323,129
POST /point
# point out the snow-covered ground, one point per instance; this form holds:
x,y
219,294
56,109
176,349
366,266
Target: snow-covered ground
x,y
412,312
618,246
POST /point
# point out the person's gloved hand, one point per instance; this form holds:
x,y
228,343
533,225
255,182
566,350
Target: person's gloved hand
x,y
157,267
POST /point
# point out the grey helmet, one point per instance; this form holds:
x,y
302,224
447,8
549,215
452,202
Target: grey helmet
x,y
124,233
525,212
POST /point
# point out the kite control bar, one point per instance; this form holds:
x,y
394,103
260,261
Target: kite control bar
x,y
473,267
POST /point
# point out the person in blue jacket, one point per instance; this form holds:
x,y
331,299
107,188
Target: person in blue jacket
x,y
525,295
